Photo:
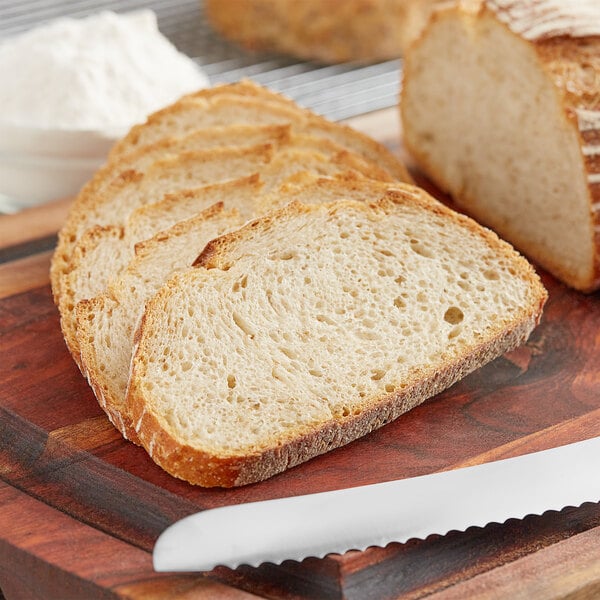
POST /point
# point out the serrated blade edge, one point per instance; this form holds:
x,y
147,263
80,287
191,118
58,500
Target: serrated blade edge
x,y
378,514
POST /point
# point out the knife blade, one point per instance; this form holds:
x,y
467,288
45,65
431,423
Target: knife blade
x,y
377,514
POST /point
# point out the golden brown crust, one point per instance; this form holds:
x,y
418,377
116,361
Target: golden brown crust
x,y
200,467
329,31
205,469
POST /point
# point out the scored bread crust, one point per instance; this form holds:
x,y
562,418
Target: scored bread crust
x,y
566,42
273,456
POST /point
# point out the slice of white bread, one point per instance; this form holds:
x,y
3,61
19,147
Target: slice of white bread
x,y
195,113
91,262
500,106
314,325
105,250
174,127
106,323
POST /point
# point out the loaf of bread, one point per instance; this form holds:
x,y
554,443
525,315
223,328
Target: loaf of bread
x,y
501,107
331,31
247,285
314,325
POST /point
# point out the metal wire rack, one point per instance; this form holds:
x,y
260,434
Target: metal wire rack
x,y
335,91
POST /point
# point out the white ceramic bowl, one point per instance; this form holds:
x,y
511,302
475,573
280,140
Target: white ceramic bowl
x,y
39,165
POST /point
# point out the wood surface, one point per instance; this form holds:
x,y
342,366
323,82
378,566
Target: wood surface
x,y
80,508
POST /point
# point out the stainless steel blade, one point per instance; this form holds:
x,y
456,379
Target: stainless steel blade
x,y
375,515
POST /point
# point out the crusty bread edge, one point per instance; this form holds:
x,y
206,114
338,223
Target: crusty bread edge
x,y
89,365
201,468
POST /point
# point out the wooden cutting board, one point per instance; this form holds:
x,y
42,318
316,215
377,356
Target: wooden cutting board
x,y
80,508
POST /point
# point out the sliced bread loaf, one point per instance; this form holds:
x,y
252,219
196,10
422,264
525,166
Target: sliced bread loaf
x,y
515,140
314,325
172,129
91,264
105,324
223,109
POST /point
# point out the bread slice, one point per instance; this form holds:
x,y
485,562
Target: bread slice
x,y
314,325
106,323
176,127
92,263
223,109
515,140
113,315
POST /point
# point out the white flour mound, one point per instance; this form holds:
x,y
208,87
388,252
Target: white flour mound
x,y
105,72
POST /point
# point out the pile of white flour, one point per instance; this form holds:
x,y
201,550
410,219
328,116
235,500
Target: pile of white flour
x,y
105,72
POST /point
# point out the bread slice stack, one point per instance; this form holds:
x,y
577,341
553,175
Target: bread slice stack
x,y
500,106
239,308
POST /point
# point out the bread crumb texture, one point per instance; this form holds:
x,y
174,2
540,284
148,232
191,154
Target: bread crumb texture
x,y
319,315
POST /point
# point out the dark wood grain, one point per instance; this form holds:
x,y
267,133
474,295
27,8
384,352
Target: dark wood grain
x,y
80,508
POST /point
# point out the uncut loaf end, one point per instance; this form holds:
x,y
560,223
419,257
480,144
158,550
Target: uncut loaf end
x,y
315,325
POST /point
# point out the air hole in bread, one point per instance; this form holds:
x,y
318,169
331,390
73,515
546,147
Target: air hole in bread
x,y
454,315
454,332
325,319
291,354
367,335
420,248
491,274
377,374
242,324
285,255
231,382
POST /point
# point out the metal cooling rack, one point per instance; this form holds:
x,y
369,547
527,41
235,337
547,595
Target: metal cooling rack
x,y
335,91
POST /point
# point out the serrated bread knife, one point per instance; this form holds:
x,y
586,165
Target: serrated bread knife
x,y
375,515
